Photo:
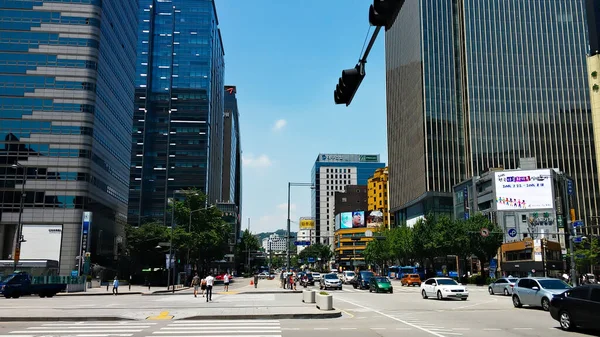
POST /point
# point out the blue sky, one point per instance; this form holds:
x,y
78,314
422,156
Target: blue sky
x,y
285,57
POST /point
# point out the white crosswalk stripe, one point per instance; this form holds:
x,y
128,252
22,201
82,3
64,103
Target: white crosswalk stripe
x,y
84,329
222,328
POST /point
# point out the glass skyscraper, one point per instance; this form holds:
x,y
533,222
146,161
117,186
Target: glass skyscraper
x,y
67,70
475,85
178,114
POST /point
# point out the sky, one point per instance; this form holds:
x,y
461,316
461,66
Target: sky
x,y
285,57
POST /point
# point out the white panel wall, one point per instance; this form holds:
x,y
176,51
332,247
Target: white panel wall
x,y
43,242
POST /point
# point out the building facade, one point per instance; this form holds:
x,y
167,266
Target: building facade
x,y
178,115
353,198
232,156
67,72
378,190
231,216
274,243
475,86
332,173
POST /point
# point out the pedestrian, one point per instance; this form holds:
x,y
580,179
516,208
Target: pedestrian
x,y
196,284
255,280
116,286
203,286
282,278
210,281
226,281
291,281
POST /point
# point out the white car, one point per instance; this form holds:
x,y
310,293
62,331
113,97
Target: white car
x,y
348,276
316,276
443,287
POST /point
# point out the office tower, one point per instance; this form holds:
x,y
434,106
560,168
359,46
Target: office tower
x,y
332,173
593,71
67,72
378,195
178,114
473,86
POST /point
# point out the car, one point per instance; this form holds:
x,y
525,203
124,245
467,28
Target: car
x,y
363,279
330,281
310,279
380,284
537,291
577,307
502,286
316,276
410,280
442,288
348,276
264,275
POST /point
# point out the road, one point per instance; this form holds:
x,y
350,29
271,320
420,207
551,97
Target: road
x,y
403,313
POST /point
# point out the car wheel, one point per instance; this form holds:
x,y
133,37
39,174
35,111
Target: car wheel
x,y
463,299
370,290
565,321
424,294
439,295
391,291
491,291
516,301
355,286
506,292
545,304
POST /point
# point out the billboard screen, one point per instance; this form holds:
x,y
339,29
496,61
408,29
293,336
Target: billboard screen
x,y
42,242
375,219
346,220
307,223
349,220
528,189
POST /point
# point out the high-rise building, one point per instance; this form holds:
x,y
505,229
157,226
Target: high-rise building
x,y
232,155
378,195
178,114
67,72
332,173
477,85
593,75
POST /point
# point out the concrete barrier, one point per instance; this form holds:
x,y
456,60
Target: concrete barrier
x,y
308,296
324,302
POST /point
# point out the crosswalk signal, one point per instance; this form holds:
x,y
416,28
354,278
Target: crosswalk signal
x,y
383,13
348,84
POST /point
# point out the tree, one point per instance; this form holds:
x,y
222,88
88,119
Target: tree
x,y
587,253
248,244
316,251
485,248
142,244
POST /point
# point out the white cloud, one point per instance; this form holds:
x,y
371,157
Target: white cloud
x,y
279,124
262,161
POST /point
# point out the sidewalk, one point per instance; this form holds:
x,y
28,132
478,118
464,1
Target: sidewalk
x,y
123,290
265,287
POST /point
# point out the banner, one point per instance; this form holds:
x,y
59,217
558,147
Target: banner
x,y
307,223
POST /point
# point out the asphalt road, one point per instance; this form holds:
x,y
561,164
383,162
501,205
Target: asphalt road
x,y
403,313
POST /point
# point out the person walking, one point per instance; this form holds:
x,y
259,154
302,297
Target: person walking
x,y
282,278
226,282
196,284
210,281
116,286
255,280
203,286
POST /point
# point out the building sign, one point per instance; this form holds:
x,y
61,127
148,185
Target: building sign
x,y
466,202
349,158
307,223
86,232
530,189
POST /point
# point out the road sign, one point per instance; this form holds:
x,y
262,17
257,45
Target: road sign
x,y
570,187
485,232
512,232
578,223
579,256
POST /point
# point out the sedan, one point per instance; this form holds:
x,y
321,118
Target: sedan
x,y
316,276
502,286
380,284
443,287
577,307
537,291
330,281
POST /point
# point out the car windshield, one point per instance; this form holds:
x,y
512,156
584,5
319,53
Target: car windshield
x,y
382,279
331,277
413,275
447,282
7,278
554,284
513,280
367,274
350,273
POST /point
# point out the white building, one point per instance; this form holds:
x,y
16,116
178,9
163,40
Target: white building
x,y
274,242
307,235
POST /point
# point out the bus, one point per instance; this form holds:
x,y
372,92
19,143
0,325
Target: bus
x,y
397,272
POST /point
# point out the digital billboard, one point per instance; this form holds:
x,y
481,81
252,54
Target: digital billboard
x,y
349,220
375,219
42,242
528,189
346,220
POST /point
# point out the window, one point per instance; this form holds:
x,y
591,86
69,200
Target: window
x,y
344,200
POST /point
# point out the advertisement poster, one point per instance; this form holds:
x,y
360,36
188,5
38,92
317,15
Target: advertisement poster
x,y
358,219
375,219
530,189
346,220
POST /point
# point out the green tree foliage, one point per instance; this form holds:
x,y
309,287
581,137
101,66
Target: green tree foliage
x,y
316,251
435,236
247,247
142,244
587,253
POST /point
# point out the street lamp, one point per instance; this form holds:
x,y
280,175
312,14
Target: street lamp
x,y
19,237
290,184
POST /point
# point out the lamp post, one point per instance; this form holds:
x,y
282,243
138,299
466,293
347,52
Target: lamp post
x,y
19,236
288,238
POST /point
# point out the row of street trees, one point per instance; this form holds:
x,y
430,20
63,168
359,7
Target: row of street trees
x,y
435,236
200,235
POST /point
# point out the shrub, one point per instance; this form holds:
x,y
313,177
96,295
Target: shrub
x,y
324,293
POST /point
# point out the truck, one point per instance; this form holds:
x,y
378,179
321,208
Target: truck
x,y
20,284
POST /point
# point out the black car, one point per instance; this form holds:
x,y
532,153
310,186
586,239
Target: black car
x,y
311,280
363,279
577,307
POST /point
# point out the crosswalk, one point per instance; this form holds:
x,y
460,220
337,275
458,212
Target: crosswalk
x,y
83,329
237,328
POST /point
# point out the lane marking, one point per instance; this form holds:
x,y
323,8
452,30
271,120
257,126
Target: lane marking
x,y
461,329
235,332
162,316
230,323
221,321
378,328
492,329
452,333
474,305
347,313
224,336
90,324
91,328
395,319
348,328
321,328
71,331
222,328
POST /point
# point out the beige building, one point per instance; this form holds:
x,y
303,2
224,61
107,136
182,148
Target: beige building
x,y
593,64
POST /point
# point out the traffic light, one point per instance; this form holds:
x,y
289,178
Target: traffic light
x,y
348,84
383,13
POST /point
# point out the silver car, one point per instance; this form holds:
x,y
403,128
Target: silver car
x,y
503,286
537,291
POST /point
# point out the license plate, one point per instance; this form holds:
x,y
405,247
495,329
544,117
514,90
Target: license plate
x,y
458,295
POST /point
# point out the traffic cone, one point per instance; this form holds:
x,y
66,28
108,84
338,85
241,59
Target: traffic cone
x,y
251,282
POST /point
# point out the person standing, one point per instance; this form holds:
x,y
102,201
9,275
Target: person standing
x,y
116,286
203,286
255,280
282,278
210,281
196,284
226,281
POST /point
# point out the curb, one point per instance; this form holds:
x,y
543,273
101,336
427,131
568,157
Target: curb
x,y
271,292
325,315
163,292
63,319
97,294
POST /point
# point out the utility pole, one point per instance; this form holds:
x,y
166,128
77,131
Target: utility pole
x,y
248,247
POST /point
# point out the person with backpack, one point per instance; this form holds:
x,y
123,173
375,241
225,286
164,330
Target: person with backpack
x,y
196,284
